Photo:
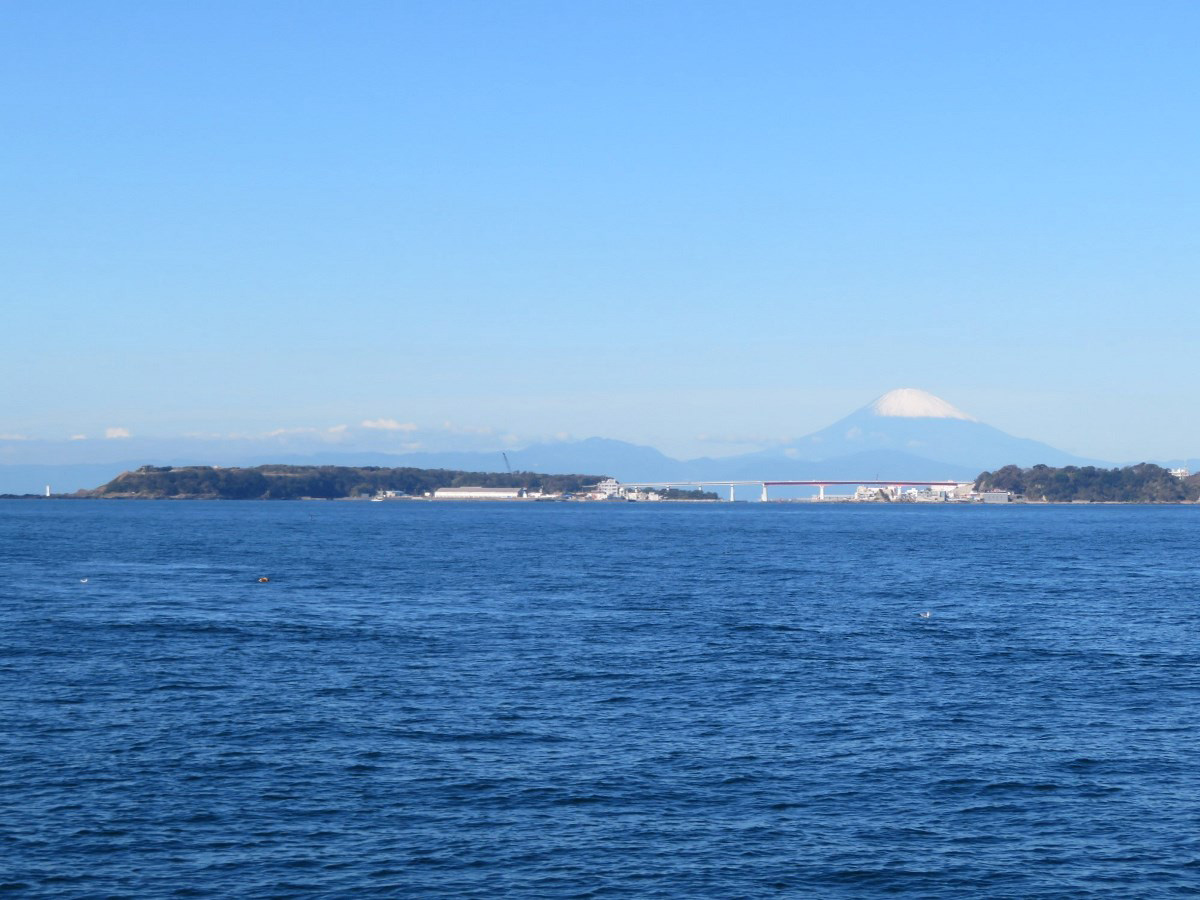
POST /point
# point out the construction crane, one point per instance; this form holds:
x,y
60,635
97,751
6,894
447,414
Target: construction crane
x,y
506,465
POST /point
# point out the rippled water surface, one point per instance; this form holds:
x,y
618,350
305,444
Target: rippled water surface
x,y
571,700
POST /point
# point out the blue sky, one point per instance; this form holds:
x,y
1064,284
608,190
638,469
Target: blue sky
x,y
697,225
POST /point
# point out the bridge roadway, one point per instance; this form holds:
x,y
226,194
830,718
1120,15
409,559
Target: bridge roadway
x,y
820,485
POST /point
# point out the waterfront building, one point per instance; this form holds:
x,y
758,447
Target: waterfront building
x,y
478,493
643,496
609,487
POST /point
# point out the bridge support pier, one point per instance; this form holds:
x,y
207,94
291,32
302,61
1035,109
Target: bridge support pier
x,y
821,488
731,496
764,492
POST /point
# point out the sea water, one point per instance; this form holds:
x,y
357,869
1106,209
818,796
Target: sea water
x,y
651,700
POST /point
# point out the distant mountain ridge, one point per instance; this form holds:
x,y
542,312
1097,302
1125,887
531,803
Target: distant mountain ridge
x,y
904,434
922,425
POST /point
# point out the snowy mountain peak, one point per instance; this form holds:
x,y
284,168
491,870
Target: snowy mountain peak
x,y
910,403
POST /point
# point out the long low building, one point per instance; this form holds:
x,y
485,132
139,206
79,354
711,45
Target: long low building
x,y
478,493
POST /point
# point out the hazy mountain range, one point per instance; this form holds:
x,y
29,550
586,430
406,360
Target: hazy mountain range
x,y
906,434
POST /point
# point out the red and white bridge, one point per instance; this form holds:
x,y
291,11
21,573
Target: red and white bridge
x,y
820,485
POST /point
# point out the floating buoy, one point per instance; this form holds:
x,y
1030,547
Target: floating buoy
x,y
263,580
83,581
925,615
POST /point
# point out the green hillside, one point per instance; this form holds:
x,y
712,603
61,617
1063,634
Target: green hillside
x,y
322,482
1143,483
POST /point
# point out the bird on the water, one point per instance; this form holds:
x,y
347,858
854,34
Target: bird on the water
x,y
925,615
83,581
263,580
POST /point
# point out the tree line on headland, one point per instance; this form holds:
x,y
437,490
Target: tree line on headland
x,y
1143,483
278,482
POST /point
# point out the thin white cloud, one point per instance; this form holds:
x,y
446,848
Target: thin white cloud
x,y
79,437
389,425
117,433
338,429
14,437
280,432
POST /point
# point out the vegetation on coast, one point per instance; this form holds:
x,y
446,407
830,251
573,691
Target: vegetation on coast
x,y
683,494
279,482
1143,483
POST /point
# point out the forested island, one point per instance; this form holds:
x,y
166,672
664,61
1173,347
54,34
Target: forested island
x,y
1143,483
280,482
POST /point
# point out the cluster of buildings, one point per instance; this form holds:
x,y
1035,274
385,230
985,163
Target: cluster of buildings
x,y
612,490
466,493
609,489
962,492
940,492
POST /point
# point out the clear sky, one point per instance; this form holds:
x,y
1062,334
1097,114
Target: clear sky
x,y
696,225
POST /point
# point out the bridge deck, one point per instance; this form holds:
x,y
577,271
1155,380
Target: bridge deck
x,y
769,483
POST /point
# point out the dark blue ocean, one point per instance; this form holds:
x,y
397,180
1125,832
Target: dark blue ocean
x,y
561,700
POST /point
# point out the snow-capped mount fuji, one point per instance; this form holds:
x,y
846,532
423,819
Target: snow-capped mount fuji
x,y
915,423
911,403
